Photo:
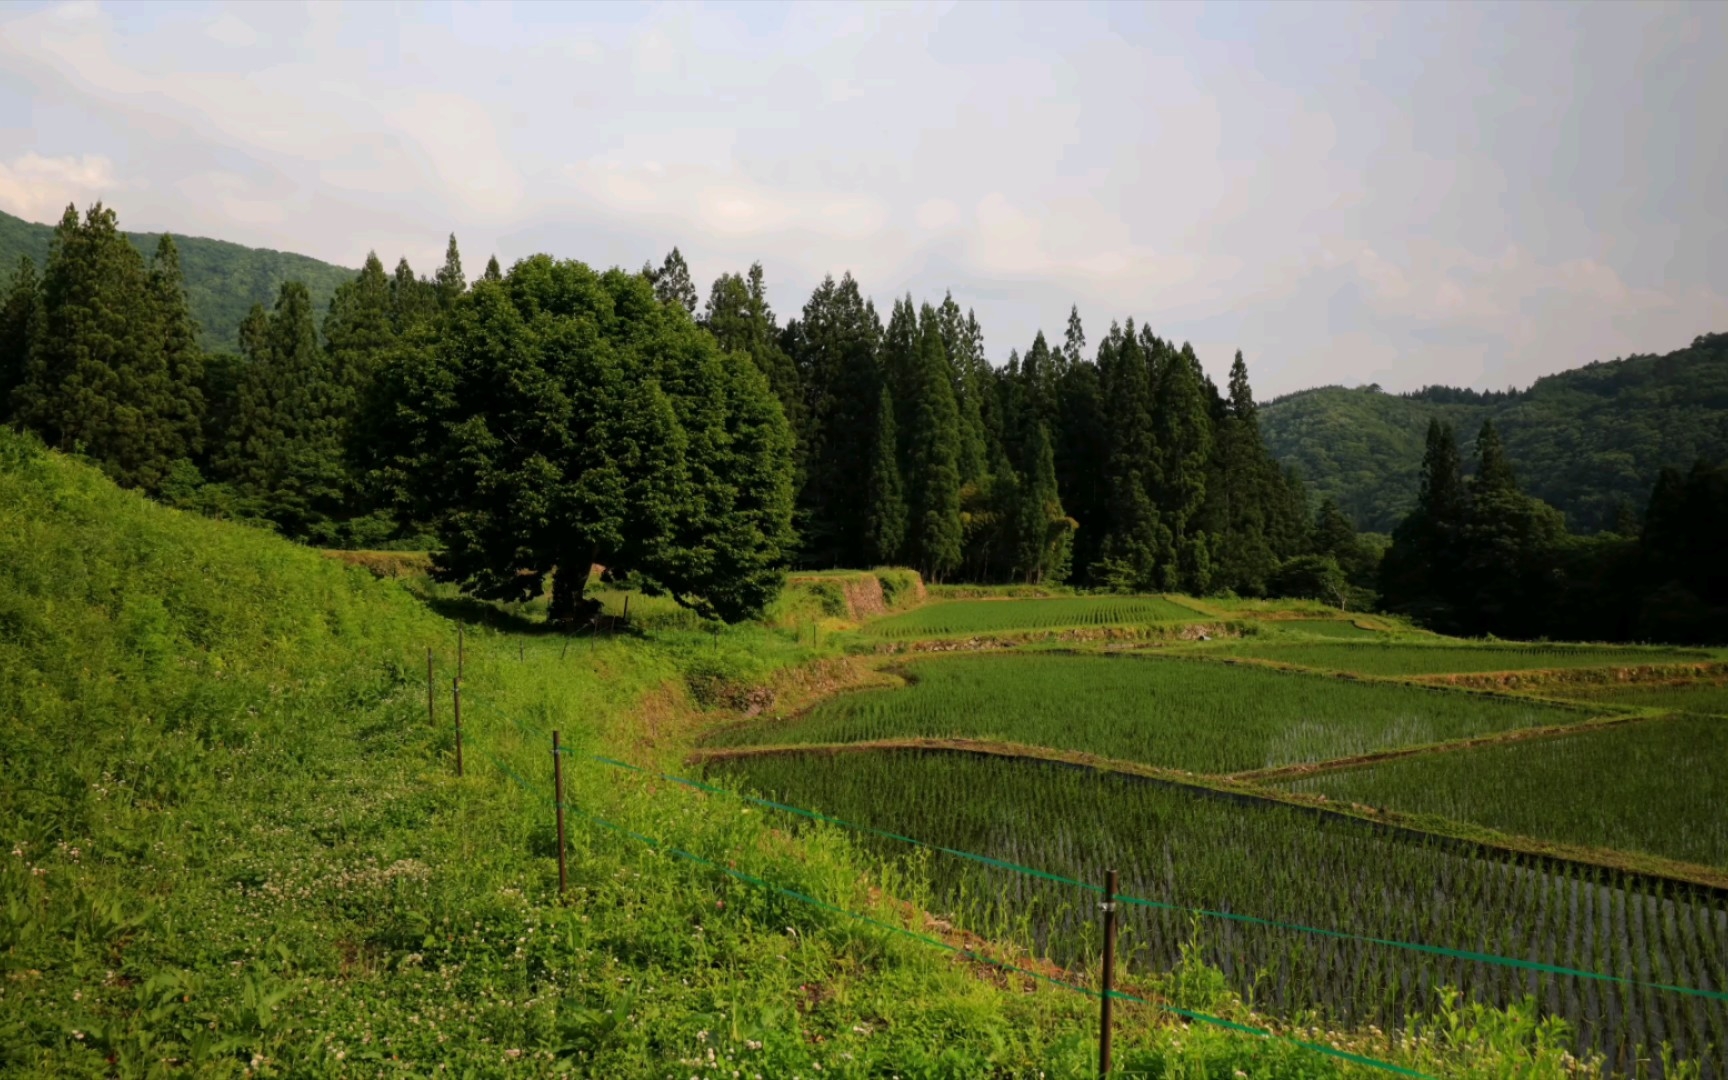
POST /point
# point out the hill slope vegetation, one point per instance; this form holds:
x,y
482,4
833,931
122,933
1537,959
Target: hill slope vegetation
x,y
1587,441
223,280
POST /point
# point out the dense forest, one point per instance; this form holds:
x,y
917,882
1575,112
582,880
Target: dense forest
x,y
554,415
1590,441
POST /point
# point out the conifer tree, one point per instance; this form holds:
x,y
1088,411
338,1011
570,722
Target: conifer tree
x,y
285,447
1073,341
884,494
492,272
932,478
1506,547
833,345
98,379
449,281
360,328
19,315
1241,488
1043,531
1129,554
672,284
182,359
739,318
1421,566
1184,448
413,300
958,344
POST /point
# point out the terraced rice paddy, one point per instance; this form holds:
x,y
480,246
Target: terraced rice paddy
x,y
1176,846
956,617
1398,658
1657,787
1700,697
1182,714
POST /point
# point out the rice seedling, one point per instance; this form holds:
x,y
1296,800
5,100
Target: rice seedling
x,y
1408,658
1181,714
1656,787
953,617
1197,850
1704,696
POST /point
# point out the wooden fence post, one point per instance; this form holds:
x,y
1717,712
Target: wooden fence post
x,y
1107,1027
456,698
558,800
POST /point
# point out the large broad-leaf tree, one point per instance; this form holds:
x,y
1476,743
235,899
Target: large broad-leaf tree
x,y
567,417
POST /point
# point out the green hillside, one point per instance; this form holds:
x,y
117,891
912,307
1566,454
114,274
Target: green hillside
x,y
235,846
223,280
1582,440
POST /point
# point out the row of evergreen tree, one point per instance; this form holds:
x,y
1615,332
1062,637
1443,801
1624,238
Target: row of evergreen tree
x,y
1479,556
1127,468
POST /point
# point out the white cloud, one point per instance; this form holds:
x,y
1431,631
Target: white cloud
x,y
38,188
1346,195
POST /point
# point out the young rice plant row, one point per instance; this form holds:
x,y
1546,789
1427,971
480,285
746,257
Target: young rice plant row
x,y
1182,714
1199,850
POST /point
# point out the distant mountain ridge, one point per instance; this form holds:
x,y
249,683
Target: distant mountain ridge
x,y
1583,440
223,280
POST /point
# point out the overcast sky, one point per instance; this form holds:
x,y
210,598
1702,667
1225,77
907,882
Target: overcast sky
x,y
1474,195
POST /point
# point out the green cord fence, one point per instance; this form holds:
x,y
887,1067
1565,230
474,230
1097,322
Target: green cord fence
x,y
1703,1034
1341,935
969,954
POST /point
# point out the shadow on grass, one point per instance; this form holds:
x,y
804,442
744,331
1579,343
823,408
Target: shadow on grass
x,y
474,612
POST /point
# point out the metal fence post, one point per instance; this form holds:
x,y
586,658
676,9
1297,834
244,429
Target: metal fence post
x,y
1107,1027
558,801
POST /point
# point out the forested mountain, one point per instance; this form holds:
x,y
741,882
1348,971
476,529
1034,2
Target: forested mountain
x,y
223,280
1589,441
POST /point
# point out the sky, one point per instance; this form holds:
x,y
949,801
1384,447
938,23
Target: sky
x,y
1474,195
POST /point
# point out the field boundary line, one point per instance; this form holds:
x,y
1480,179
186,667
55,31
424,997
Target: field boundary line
x,y
1376,757
1456,835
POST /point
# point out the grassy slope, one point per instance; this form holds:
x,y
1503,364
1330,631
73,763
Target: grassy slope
x,y
235,847
235,843
223,280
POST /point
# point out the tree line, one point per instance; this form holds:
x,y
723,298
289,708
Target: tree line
x,y
554,416
1479,556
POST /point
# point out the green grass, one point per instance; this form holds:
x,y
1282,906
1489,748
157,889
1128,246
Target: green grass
x,y
234,844
1326,628
1183,714
1656,787
1277,862
952,617
1706,696
1401,658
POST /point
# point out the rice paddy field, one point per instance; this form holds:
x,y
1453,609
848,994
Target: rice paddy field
x,y
1406,658
1657,787
1706,696
1273,863
956,617
1194,715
